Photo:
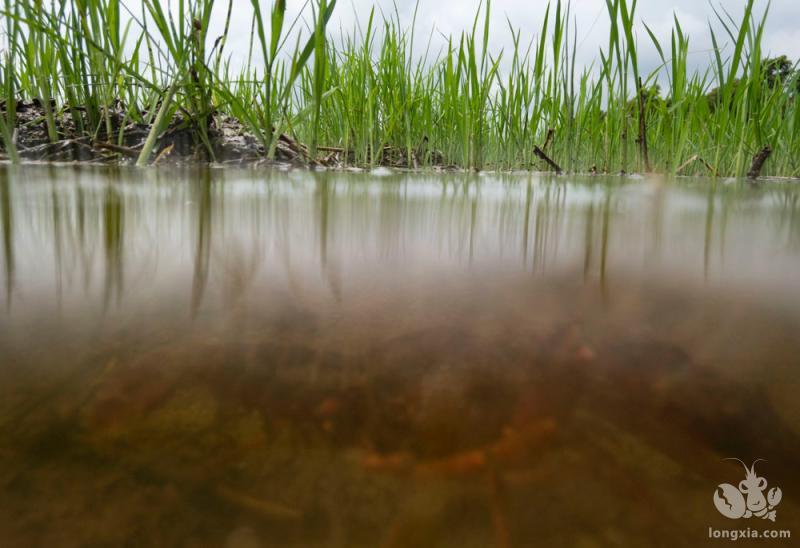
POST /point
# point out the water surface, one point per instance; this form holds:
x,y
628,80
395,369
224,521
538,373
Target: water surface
x,y
247,358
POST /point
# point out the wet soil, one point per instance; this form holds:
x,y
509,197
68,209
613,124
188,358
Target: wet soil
x,y
229,142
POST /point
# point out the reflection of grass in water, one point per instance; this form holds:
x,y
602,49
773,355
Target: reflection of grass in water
x,y
113,240
709,230
57,243
7,226
789,217
203,199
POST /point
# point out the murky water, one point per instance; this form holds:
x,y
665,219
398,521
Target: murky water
x,y
241,358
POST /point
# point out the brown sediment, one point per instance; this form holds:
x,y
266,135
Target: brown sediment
x,y
262,507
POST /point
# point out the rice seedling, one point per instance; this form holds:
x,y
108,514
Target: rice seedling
x,y
8,82
371,98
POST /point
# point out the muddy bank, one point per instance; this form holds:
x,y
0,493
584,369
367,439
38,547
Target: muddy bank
x,y
226,141
181,143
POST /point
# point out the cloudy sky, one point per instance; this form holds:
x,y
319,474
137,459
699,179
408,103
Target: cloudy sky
x,y
451,17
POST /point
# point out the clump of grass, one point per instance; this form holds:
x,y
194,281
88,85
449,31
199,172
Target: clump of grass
x,y
188,75
373,99
8,69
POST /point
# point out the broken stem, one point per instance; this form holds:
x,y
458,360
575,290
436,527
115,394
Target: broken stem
x,y
544,157
758,162
643,130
